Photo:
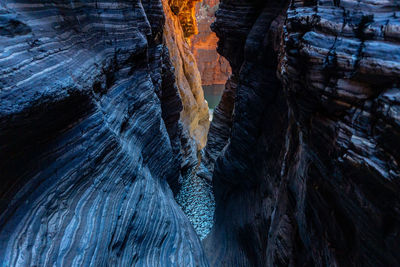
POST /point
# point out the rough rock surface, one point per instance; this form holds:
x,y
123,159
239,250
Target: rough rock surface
x,y
310,173
220,130
188,80
89,137
214,68
186,14
194,194
303,150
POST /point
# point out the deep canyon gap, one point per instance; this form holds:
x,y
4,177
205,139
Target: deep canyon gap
x,y
104,129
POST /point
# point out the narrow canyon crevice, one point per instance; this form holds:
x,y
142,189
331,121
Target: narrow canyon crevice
x,y
108,156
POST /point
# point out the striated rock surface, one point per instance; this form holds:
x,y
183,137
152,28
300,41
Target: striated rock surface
x,y
188,80
89,137
214,68
194,194
102,114
310,173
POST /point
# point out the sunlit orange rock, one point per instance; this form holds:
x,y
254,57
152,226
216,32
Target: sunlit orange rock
x,y
214,69
181,23
185,10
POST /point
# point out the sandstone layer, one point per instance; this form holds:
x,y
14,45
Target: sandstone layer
x,y
186,14
308,173
188,80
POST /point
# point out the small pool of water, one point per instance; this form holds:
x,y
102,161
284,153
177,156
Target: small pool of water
x,y
213,93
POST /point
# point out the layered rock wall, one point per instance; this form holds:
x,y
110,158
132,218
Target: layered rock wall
x,y
309,175
101,107
214,68
194,116
194,195
89,137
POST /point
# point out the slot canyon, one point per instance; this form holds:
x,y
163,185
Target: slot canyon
x,y
199,133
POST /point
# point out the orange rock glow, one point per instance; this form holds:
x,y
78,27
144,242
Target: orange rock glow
x,y
214,69
186,12
195,116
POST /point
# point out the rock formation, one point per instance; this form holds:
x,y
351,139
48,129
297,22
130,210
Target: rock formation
x,y
186,14
309,175
188,80
102,116
214,68
89,137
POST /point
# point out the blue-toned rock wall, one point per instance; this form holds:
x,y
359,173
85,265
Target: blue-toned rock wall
x,y
304,146
96,132
89,137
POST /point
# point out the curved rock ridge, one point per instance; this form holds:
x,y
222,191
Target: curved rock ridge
x,y
309,175
89,137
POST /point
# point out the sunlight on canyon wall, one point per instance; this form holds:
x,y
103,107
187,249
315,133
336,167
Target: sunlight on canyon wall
x,y
214,68
180,24
186,13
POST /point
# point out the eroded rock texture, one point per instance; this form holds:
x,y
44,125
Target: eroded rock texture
x,y
89,137
195,115
186,14
309,175
214,68
101,109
